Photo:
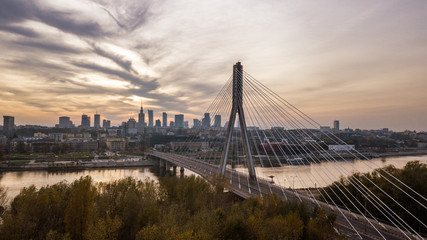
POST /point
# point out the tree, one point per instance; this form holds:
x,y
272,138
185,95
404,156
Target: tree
x,y
79,210
104,229
3,200
321,226
21,148
1,153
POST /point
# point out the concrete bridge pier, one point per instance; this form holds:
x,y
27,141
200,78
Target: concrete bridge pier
x,y
174,170
168,168
181,172
162,167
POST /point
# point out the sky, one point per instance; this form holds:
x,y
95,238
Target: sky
x,y
361,62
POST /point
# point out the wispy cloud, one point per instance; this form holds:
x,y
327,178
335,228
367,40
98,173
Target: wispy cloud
x,y
336,62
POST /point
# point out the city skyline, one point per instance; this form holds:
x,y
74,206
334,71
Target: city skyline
x,y
359,62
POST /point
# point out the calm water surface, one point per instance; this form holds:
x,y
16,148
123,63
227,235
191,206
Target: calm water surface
x,y
315,175
323,174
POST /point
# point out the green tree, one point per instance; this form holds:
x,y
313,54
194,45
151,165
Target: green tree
x,y
21,147
3,200
150,233
104,229
80,206
293,226
1,153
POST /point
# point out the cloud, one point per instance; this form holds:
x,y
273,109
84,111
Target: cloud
x,y
119,60
15,11
128,15
146,85
101,54
50,47
19,30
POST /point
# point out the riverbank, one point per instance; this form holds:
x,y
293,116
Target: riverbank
x,y
75,165
403,154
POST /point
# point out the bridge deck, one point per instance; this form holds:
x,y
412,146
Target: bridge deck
x,y
240,184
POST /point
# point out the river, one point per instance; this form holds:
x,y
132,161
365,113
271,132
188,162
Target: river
x,y
315,175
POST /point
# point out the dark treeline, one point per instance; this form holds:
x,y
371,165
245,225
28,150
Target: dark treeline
x,y
174,208
414,175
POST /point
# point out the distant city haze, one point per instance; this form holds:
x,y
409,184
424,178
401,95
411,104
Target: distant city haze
x,y
361,62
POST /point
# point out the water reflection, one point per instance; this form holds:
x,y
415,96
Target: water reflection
x,y
323,174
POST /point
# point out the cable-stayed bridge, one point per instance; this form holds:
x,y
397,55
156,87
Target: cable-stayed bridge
x,y
266,131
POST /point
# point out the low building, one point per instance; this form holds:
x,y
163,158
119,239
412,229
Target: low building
x,y
340,148
116,144
192,146
422,145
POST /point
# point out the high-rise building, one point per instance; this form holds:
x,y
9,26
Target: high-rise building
x,y
141,117
172,124
336,125
150,118
131,123
130,127
179,121
85,121
65,122
158,123
217,121
165,119
185,124
197,123
8,125
97,121
206,121
106,124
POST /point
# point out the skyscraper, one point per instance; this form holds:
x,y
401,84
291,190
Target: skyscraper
x,y
141,117
65,122
179,121
150,118
8,125
336,126
131,123
196,123
206,121
85,121
106,123
158,123
97,121
165,119
217,121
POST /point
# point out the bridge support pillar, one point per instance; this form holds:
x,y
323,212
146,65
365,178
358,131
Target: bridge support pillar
x,y
162,169
168,168
174,170
181,172
237,108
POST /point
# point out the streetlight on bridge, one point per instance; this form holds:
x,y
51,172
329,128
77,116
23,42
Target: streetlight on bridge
x,y
293,181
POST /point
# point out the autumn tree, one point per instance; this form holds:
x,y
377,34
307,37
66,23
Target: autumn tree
x,y
80,206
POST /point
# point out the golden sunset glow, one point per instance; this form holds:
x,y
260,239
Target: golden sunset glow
x,y
362,62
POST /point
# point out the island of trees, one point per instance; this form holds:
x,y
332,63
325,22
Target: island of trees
x,y
414,175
